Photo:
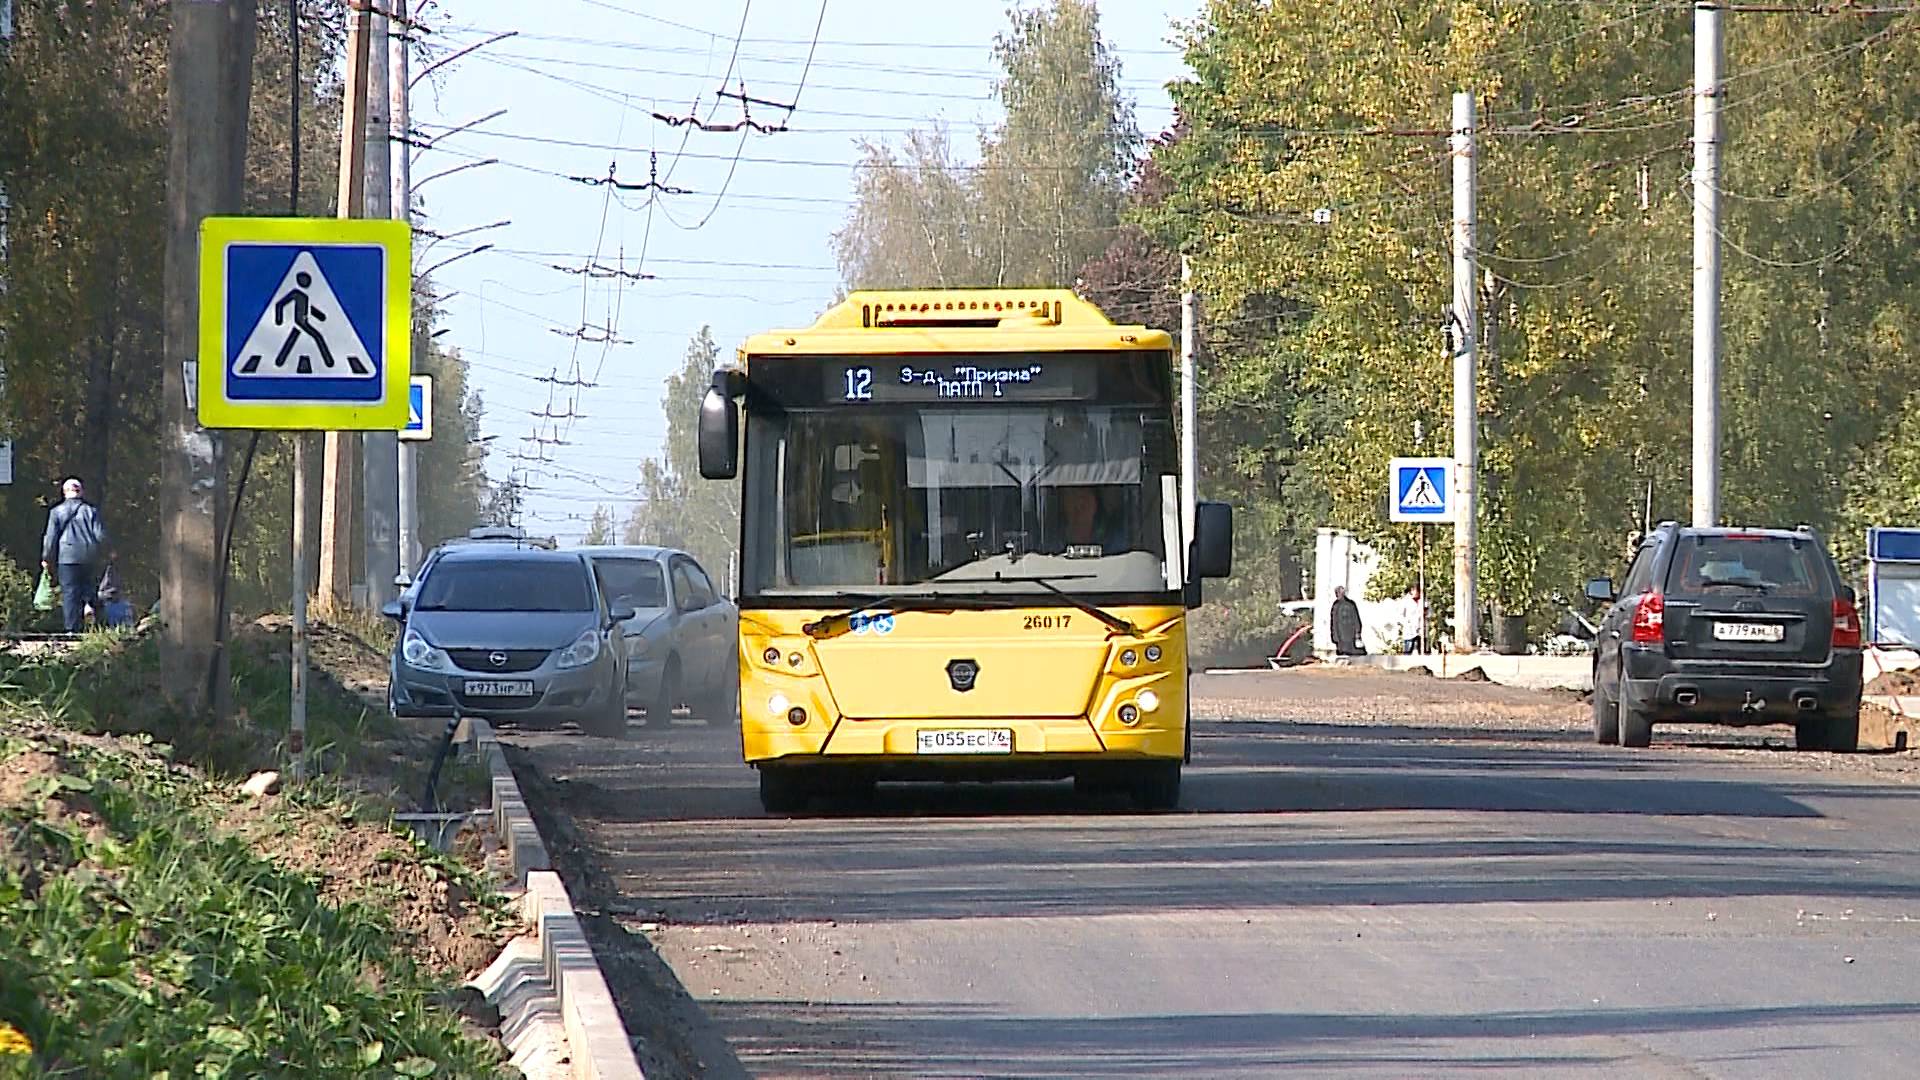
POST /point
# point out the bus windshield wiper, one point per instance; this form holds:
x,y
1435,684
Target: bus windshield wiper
x,y
1114,622
842,621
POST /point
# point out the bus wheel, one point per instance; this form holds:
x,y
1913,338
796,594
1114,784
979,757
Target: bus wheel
x,y
783,790
1158,786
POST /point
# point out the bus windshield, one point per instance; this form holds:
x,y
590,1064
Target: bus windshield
x,y
980,498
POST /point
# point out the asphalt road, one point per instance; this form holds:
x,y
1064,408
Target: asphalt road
x,y
1380,876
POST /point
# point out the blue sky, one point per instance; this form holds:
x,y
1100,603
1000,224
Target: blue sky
x,y
746,248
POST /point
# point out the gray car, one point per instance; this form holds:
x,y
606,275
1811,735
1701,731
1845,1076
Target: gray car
x,y
511,633
683,638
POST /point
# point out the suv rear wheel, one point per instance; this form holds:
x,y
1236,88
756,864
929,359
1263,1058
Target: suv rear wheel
x,y
1635,727
1606,716
1839,734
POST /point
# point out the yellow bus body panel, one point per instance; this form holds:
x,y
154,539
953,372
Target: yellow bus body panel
x,y
1055,677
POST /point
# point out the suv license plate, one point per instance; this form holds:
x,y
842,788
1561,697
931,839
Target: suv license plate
x,y
965,741
499,688
1747,631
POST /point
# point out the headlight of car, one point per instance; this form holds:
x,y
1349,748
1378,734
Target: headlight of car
x,y
419,654
584,650
637,647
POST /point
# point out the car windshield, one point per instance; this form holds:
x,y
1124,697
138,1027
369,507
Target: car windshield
x,y
632,583
505,585
1774,565
937,499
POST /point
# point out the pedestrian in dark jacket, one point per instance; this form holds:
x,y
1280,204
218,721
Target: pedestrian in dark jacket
x,y
76,543
1346,624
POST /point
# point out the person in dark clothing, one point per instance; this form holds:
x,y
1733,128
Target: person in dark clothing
x,y
77,544
1346,624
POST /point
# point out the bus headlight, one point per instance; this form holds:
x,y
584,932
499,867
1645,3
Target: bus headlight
x,y
1149,701
1129,715
771,656
1153,654
778,705
1127,657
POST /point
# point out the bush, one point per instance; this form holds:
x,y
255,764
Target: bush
x,y
1241,632
16,596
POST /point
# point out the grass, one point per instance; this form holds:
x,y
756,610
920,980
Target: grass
x,y
148,926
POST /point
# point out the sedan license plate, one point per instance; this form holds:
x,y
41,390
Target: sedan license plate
x,y
965,741
499,688
1747,631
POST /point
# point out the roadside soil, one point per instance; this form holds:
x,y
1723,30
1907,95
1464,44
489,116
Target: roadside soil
x,y
446,913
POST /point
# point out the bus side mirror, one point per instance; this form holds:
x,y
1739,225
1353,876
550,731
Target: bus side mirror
x,y
1212,550
719,434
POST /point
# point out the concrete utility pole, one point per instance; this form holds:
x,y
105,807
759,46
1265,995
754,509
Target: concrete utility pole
x,y
398,87
209,83
1709,60
302,450
336,485
1189,406
1466,408
380,450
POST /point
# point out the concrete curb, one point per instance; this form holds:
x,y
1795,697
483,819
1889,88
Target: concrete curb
x,y
554,1001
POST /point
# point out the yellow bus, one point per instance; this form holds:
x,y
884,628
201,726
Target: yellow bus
x,y
962,550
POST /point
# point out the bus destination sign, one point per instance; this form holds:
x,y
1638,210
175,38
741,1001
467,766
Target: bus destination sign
x,y
925,379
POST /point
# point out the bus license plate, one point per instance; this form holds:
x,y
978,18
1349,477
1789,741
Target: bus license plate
x,y
499,688
965,741
1747,631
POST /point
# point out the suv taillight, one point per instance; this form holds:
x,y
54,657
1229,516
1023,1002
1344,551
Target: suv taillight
x,y
1650,620
1846,624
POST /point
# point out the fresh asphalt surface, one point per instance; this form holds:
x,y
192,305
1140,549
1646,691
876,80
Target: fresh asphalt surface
x,y
1378,876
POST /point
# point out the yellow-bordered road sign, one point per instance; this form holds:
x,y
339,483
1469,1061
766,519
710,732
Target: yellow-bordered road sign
x,y
305,323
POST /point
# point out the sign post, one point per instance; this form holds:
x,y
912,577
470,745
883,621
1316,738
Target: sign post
x,y
1420,490
304,326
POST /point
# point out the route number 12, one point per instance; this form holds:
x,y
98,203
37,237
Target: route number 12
x,y
860,384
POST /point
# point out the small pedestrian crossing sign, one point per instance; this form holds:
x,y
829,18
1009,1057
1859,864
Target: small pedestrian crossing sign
x,y
1421,489
304,323
419,410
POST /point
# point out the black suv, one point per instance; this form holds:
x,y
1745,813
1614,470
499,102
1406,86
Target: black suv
x,y
1732,626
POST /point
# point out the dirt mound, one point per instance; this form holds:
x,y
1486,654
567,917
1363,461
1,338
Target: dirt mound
x,y
1896,684
435,917
359,664
1473,675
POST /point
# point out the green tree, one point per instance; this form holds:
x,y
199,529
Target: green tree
x,y
1046,193
600,528
83,150
677,508
1311,186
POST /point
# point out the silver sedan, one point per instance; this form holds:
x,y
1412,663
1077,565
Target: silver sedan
x,y
683,639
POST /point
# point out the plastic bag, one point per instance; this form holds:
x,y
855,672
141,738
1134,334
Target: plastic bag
x,y
43,597
109,588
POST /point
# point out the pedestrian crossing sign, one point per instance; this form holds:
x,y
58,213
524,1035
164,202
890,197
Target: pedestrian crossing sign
x,y
305,323
1421,489
419,410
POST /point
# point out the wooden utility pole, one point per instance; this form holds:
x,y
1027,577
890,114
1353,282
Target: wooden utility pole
x,y
336,484
209,85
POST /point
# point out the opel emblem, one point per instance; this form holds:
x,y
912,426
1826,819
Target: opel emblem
x,y
497,659
962,673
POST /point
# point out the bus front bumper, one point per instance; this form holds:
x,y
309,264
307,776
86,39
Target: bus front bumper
x,y
986,745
